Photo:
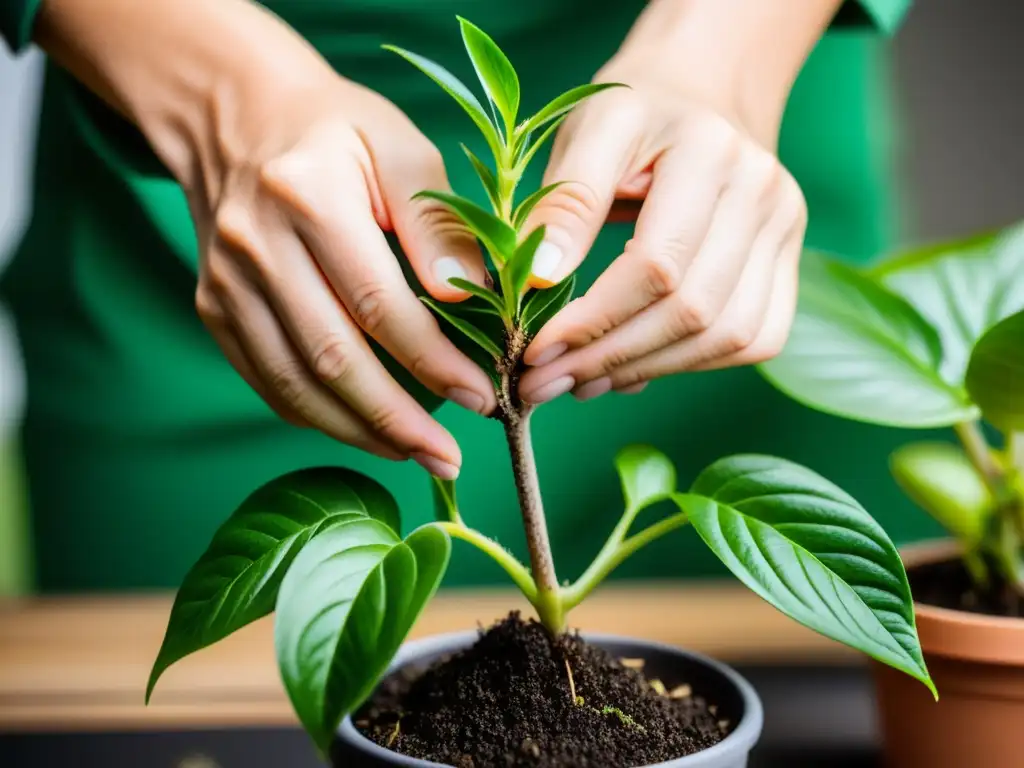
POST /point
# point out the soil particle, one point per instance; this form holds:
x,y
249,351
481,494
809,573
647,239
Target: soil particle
x,y
507,702
948,585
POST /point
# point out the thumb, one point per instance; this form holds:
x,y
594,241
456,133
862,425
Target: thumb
x,y
588,162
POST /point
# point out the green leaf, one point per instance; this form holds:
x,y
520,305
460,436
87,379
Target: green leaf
x,y
859,351
458,91
471,331
345,606
995,374
542,305
940,479
492,299
497,236
486,176
446,505
647,475
529,203
495,71
961,288
235,582
810,550
524,153
560,105
518,269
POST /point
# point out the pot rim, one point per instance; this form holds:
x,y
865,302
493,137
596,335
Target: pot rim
x,y
740,741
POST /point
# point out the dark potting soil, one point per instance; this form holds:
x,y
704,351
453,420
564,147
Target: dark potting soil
x,y
947,584
507,701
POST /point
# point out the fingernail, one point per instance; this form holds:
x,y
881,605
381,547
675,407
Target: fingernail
x,y
633,389
435,466
593,388
546,261
550,354
469,400
551,390
448,267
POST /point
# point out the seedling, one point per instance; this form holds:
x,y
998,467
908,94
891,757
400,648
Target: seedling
x,y
928,339
323,546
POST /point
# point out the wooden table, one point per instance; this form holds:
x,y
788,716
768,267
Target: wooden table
x,y
81,663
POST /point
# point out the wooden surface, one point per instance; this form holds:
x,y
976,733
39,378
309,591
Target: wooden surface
x,y
82,663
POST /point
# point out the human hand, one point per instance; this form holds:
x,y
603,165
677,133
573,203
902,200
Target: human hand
x,y
709,279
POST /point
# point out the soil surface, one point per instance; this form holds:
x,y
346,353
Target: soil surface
x,y
948,585
507,701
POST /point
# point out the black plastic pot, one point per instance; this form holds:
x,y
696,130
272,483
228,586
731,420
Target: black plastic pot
x,y
737,701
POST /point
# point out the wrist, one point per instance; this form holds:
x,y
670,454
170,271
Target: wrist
x,y
739,58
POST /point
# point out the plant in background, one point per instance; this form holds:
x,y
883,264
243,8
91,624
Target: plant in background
x,y
323,547
929,339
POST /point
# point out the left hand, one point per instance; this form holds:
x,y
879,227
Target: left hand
x,y
709,279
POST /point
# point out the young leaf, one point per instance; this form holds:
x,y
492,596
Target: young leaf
x,y
486,176
524,153
497,236
519,268
542,305
458,91
446,506
467,328
529,203
647,475
995,373
940,479
859,351
345,606
492,299
810,550
235,582
495,71
561,105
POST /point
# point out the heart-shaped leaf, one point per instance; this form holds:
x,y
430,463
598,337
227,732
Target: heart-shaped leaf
x,y
647,476
465,326
458,91
542,305
495,71
486,176
961,288
236,580
497,236
518,270
859,351
346,605
525,208
995,373
811,550
940,479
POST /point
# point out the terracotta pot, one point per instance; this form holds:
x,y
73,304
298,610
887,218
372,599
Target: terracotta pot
x,y
977,663
736,697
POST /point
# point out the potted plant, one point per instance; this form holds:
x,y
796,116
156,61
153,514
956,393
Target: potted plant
x,y
935,338
323,548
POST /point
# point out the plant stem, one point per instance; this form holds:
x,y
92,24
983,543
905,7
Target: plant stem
x,y
980,455
498,553
610,557
1015,450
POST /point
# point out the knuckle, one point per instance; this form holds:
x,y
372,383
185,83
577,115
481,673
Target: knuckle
x,y
738,339
208,306
762,171
575,199
662,274
370,303
286,379
691,314
385,420
331,360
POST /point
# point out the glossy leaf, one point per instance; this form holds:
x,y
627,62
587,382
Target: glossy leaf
x,y
940,479
497,236
962,289
995,373
470,330
647,475
486,176
458,91
446,505
526,150
525,208
859,351
495,71
236,580
542,305
811,550
519,268
560,105
492,299
345,606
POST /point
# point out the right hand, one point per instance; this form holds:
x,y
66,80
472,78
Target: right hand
x,y
297,177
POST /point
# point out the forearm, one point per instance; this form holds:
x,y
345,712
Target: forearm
x,y
175,68
741,56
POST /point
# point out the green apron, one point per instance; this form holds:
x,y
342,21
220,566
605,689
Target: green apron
x,y
139,438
